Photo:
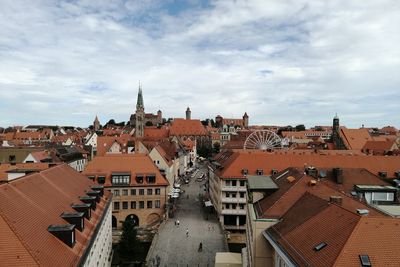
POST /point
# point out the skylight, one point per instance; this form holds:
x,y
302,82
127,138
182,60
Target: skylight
x,y
320,246
365,262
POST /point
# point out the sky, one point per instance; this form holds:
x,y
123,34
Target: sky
x,y
283,62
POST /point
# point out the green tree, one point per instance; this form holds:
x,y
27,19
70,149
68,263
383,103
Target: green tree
x,y
216,147
300,127
129,243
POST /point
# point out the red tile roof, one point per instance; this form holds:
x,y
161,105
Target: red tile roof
x,y
30,204
182,127
355,138
125,163
236,161
154,133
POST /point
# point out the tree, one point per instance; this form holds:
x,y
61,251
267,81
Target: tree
x,y
216,147
129,243
149,123
300,127
110,122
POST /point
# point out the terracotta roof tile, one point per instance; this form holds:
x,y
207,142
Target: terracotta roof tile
x,y
181,127
355,138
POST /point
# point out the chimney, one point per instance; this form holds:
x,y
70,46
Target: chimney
x,y
336,199
98,188
64,232
75,218
89,200
338,175
83,207
363,211
94,193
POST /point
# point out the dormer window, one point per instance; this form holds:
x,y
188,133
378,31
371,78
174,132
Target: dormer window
x,y
101,179
139,178
91,177
260,172
245,171
119,179
151,178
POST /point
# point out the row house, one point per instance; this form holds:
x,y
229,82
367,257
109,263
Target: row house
x,y
55,217
138,187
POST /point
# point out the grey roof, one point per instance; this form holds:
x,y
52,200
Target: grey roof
x,y
255,182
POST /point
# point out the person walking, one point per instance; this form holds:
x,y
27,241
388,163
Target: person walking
x,y
200,247
177,223
187,232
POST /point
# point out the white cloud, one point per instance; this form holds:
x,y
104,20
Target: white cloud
x,y
284,62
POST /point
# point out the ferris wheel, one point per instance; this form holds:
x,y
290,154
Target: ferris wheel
x,y
263,140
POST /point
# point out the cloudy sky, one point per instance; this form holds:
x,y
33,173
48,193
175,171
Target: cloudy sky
x,y
284,62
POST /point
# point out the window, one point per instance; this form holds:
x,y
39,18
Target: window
x,y
157,191
116,192
139,178
116,205
141,191
241,206
133,192
233,195
242,183
234,183
241,194
158,162
101,179
141,204
260,172
149,204
11,158
227,206
133,205
124,192
151,178
149,191
125,205
227,194
227,183
157,204
383,196
91,177
121,179
233,206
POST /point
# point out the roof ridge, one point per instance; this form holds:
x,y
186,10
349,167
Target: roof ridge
x,y
21,240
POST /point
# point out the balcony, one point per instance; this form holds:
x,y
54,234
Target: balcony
x,y
233,212
233,200
234,188
235,227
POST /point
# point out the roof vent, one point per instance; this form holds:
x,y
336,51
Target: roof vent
x,y
312,183
274,171
382,174
260,172
75,218
245,171
322,173
365,262
336,200
94,193
89,200
98,188
363,211
320,246
83,207
64,232
312,171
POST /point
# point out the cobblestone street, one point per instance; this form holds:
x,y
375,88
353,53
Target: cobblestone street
x,y
173,248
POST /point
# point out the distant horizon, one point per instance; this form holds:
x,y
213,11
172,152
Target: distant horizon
x,y
282,62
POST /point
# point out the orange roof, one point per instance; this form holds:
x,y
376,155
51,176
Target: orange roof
x,y
233,122
29,136
4,167
30,204
235,162
379,238
125,163
40,155
182,127
355,138
152,132
105,142
380,145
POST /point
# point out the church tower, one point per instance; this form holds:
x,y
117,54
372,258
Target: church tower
x,y
336,140
188,113
245,120
139,127
96,124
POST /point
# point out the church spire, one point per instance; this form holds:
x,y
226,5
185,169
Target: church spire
x,y
139,104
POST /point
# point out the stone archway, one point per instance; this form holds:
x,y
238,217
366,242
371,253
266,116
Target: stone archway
x,y
114,222
153,219
134,218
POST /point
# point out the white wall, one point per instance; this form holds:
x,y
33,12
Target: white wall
x,y
101,249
